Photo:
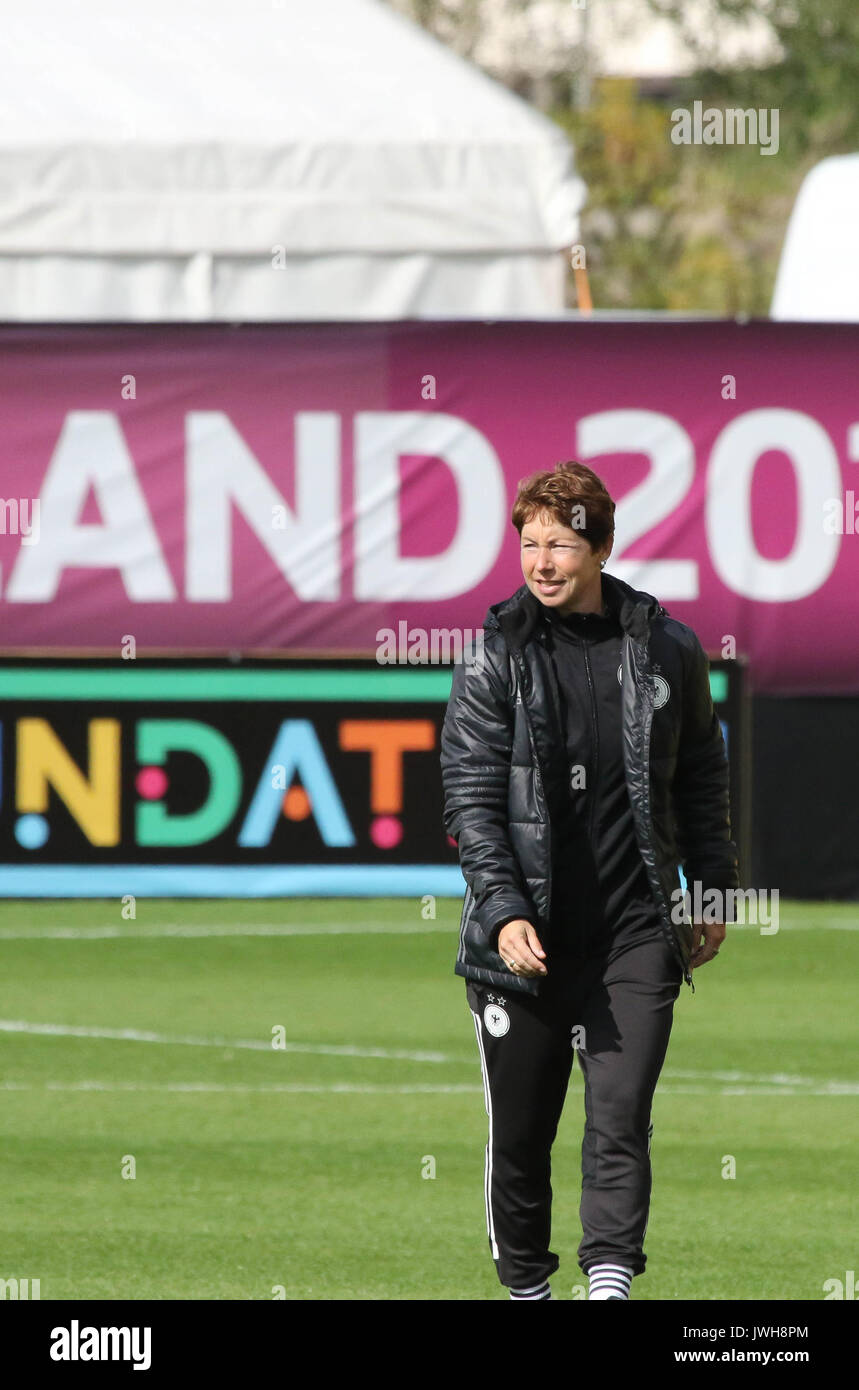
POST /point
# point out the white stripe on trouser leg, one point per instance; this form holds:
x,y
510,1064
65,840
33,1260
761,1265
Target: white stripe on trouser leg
x,y
487,1171
649,1141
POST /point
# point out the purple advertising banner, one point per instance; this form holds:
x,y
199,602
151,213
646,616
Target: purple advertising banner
x,y
333,488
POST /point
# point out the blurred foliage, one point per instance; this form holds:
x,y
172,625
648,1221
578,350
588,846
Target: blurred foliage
x,y
681,227
815,85
687,227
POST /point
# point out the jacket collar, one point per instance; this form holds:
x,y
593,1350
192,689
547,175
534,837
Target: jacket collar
x,y
520,616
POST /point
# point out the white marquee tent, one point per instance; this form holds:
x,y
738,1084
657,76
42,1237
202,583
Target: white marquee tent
x,y
817,274
268,159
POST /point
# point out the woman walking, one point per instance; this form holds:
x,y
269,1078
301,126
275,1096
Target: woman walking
x,y
582,762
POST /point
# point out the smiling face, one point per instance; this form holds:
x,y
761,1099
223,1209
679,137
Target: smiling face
x,y
560,567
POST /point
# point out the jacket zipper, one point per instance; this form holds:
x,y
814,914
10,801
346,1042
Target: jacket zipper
x,y
645,759
596,731
523,681
463,926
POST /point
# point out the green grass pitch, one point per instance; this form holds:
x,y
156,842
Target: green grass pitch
x,y
261,1169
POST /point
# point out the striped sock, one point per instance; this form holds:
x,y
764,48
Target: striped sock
x,y
609,1281
538,1292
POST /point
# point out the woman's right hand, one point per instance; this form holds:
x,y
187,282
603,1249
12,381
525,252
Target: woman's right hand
x,y
520,949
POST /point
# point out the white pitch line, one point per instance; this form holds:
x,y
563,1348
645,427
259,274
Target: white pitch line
x,y
764,1078
286,1088
734,1082
825,1088
62,1030
203,930
791,926
369,1089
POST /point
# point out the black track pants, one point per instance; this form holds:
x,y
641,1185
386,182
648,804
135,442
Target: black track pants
x,y
618,1009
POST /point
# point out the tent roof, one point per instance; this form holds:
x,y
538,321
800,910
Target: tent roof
x,y
236,125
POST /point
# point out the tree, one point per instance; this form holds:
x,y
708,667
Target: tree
x,y
815,83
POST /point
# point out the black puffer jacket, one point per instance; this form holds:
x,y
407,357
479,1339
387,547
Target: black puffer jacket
x,y
503,753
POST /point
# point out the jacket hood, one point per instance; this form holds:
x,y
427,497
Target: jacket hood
x,y
518,616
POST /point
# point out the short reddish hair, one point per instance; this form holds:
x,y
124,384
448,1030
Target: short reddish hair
x,y
557,492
